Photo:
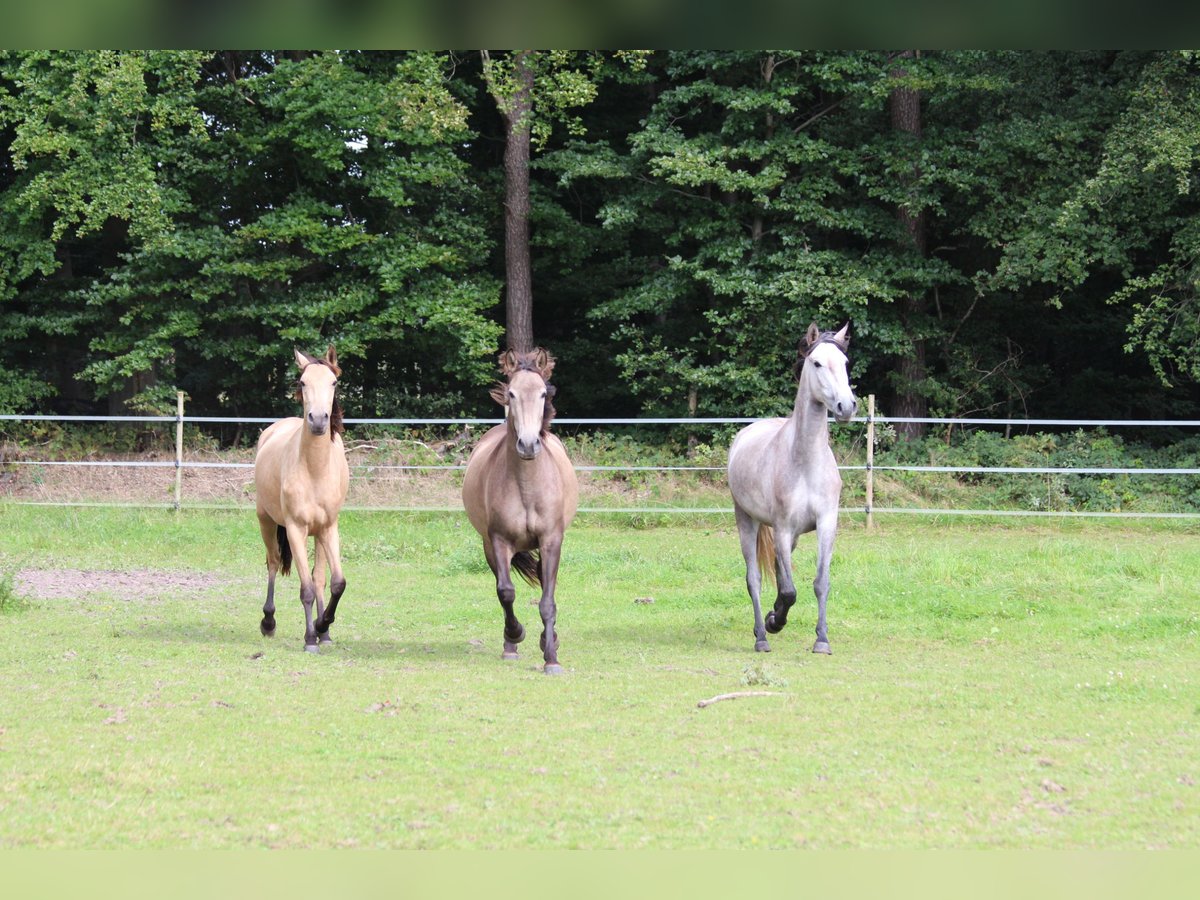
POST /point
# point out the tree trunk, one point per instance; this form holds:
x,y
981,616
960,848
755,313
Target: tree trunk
x,y
518,306
905,108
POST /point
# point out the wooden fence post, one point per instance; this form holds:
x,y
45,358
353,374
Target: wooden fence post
x,y
178,450
870,461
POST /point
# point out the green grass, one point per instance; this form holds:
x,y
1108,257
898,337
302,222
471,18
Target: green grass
x,y
991,686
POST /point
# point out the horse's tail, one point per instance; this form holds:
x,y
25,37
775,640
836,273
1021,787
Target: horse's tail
x,y
529,566
766,551
285,549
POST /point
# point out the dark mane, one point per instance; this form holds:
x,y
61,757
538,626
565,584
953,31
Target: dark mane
x,y
548,411
540,363
335,419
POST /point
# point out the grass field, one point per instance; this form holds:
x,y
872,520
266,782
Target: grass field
x,y
990,686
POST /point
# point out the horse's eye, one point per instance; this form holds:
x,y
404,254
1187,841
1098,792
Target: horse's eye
x,y
817,364
543,395
512,396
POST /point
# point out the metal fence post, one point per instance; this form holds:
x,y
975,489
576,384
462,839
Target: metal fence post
x,y
178,449
870,460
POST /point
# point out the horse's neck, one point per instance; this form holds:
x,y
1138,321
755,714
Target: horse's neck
x,y
529,474
315,449
809,421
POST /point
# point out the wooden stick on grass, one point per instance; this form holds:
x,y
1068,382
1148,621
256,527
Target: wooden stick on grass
x,y
735,695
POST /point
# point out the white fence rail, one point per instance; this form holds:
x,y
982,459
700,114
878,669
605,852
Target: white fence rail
x,y
870,420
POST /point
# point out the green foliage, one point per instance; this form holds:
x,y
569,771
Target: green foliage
x,y
561,81
10,600
178,220
272,201
1054,491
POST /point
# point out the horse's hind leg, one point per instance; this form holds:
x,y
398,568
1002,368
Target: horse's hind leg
x,y
826,530
270,537
551,552
499,556
748,536
337,581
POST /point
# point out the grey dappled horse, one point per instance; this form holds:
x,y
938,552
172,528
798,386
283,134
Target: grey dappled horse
x,y
785,482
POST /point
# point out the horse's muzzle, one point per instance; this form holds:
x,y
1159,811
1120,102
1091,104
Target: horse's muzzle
x,y
528,450
844,411
318,424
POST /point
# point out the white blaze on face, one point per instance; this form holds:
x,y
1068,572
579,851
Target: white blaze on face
x,y
526,407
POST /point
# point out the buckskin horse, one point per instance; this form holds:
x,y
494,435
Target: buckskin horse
x,y
300,479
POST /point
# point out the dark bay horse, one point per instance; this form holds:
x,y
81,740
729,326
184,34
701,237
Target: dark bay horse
x,y
785,482
300,479
520,492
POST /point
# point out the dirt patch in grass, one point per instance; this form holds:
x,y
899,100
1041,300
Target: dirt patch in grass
x,y
136,584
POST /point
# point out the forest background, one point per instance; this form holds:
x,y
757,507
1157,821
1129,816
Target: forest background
x,y
1008,233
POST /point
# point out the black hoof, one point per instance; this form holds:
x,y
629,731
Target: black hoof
x,y
822,647
311,648
510,654
324,639
762,647
553,669
772,626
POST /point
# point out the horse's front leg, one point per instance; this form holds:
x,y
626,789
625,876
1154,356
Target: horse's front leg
x,y
748,536
499,556
332,544
785,597
298,540
826,530
318,577
551,553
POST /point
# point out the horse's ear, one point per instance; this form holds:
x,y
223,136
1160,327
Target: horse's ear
x,y
331,359
302,358
813,335
508,362
499,393
544,362
843,336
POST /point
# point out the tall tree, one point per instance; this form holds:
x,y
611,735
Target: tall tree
x,y
904,105
761,193
534,90
514,99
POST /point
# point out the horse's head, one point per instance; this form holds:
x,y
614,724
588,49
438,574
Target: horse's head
x,y
316,389
527,396
823,367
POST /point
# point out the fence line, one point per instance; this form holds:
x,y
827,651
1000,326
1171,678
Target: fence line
x,y
656,511
965,470
871,420
566,420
